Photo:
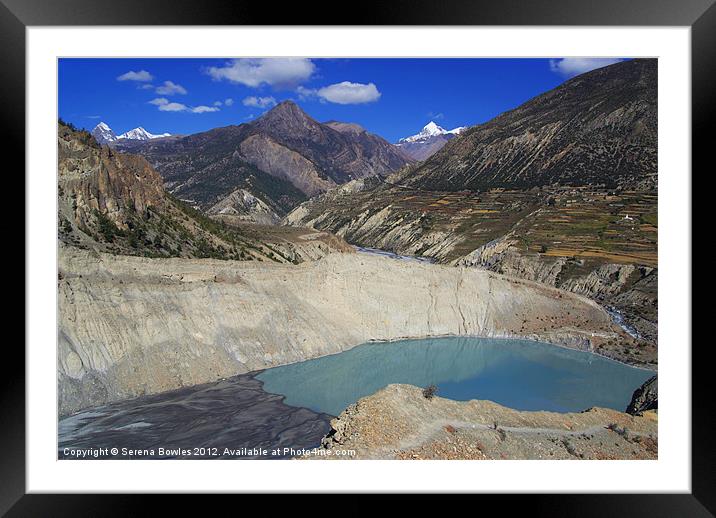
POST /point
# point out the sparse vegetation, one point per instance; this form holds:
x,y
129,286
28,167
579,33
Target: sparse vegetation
x,y
430,391
570,448
106,227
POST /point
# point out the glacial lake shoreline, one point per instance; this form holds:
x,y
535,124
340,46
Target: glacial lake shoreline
x,y
252,412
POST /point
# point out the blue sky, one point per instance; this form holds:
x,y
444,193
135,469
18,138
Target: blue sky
x,y
391,97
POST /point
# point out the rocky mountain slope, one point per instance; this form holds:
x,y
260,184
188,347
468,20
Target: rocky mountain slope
x,y
500,197
244,206
280,158
428,141
597,128
133,325
398,422
115,202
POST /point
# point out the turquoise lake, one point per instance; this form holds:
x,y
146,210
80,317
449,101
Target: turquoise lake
x,y
520,374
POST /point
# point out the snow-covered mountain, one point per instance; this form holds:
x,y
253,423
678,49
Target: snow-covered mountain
x,y
428,142
141,134
431,130
104,134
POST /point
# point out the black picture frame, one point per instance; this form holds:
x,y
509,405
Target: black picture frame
x,y
700,15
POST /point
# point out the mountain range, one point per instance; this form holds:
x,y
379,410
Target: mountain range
x,y
428,141
105,135
281,158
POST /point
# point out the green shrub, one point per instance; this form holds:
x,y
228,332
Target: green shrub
x,y
107,228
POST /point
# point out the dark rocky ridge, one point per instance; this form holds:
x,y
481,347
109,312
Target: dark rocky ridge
x,y
597,128
645,397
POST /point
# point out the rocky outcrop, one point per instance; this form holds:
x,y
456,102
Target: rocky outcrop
x,y
645,397
244,206
398,422
92,178
502,255
131,325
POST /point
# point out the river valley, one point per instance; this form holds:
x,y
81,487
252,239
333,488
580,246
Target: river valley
x,y
251,290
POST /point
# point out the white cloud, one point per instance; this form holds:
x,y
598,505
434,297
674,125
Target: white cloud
x,y
226,102
278,72
259,102
141,75
304,94
570,67
204,109
170,88
349,93
173,107
165,105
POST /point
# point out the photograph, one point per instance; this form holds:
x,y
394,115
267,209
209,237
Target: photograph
x,y
357,258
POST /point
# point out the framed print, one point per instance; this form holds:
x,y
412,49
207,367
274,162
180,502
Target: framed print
x,y
455,245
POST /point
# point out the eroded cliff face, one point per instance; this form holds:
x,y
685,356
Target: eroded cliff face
x,y
94,178
131,326
629,289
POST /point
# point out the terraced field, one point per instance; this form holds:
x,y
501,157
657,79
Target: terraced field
x,y
616,228
477,218
557,222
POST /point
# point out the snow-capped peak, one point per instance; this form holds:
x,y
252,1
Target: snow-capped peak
x,y
141,134
431,130
103,133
